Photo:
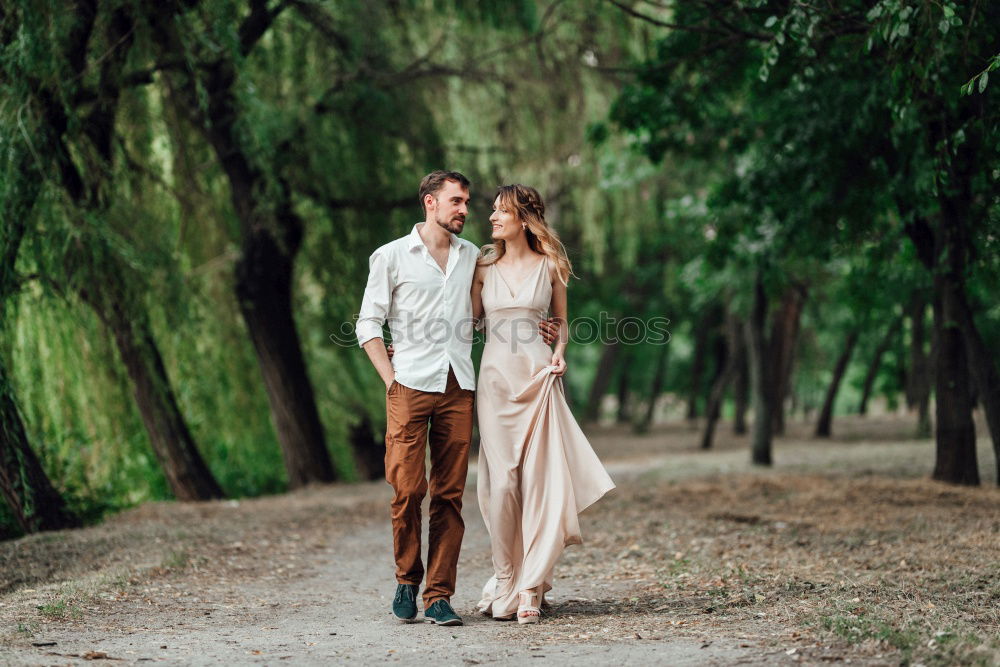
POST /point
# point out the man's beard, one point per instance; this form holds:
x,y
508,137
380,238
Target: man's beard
x,y
453,225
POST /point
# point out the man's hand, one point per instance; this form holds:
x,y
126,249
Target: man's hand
x,y
549,329
389,351
375,348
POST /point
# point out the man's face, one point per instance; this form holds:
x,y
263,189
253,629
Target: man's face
x,y
450,206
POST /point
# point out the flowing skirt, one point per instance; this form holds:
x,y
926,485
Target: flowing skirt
x,y
537,472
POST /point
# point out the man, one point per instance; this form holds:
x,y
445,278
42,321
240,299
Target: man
x,y
421,284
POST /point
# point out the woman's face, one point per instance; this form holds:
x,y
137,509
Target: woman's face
x,y
505,224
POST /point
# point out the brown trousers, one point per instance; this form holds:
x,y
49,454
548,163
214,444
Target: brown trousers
x,y
450,415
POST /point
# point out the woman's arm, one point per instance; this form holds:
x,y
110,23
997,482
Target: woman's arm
x,y
477,295
559,308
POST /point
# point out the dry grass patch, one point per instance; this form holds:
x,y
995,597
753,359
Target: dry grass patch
x,y
901,569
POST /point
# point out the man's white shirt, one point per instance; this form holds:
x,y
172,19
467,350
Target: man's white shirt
x,y
429,310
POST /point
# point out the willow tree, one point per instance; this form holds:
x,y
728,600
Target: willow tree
x,y
27,490
71,93
271,140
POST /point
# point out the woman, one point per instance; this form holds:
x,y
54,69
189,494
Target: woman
x,y
537,471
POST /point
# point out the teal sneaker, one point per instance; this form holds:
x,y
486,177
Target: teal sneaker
x,y
404,604
441,613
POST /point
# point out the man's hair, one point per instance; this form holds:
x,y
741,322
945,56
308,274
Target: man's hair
x,y
434,181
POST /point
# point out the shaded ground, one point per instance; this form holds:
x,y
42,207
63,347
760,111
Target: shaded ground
x,y
843,552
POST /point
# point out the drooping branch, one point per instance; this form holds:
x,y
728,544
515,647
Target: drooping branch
x,y
730,29
257,23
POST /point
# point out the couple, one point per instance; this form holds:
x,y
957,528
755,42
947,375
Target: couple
x,y
537,471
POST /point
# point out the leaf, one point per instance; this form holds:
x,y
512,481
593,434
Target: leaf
x,y
983,78
771,20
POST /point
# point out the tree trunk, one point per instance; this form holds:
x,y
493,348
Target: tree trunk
x,y
624,414
263,288
720,357
29,494
823,426
602,380
185,470
698,365
876,362
727,364
955,432
642,426
760,446
784,336
741,386
984,371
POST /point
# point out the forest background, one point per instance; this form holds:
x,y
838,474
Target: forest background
x,y
190,192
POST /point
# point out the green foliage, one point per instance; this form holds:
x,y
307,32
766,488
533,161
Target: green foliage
x,y
822,135
790,140
347,105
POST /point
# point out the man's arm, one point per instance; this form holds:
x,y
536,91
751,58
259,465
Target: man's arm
x,y
374,310
380,360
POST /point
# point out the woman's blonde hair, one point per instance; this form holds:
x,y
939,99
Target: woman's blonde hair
x,y
529,210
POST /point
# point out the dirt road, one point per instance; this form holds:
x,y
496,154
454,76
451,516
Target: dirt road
x,y
306,578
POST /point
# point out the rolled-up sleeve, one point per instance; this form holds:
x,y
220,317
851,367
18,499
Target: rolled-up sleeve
x,y
378,296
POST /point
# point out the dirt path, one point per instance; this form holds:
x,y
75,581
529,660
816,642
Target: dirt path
x,y
306,578
332,605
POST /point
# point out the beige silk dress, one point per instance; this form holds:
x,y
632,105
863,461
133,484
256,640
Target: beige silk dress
x,y
537,471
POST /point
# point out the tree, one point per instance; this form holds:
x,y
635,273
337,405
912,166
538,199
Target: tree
x,y
74,115
823,426
746,79
270,230
873,367
27,490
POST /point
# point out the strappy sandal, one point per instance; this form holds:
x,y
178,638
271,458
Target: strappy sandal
x,y
527,612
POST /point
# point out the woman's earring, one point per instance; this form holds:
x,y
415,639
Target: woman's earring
x,y
524,226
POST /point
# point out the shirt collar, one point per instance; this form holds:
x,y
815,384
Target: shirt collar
x,y
416,242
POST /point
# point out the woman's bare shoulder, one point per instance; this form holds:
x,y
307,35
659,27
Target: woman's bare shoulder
x,y
480,273
553,268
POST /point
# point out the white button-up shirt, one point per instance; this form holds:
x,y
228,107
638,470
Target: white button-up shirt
x,y
429,310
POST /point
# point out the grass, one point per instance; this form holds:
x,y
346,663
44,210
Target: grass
x,y
27,629
60,609
860,624
176,560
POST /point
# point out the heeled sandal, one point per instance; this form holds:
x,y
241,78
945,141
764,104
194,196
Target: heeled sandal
x,y
527,612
